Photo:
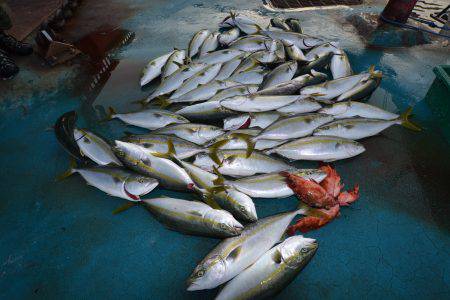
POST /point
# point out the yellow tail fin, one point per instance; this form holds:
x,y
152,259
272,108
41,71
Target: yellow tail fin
x,y
124,207
162,101
220,181
213,150
170,150
405,122
70,171
247,139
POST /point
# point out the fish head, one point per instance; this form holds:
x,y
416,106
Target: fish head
x,y
353,148
129,153
224,222
233,123
204,161
207,274
235,101
296,251
244,203
136,186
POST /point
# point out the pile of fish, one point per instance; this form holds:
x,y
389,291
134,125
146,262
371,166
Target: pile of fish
x,y
227,117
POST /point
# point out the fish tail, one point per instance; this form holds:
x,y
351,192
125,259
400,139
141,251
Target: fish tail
x,y
162,101
303,209
111,113
70,171
143,102
124,207
220,181
373,74
405,122
249,140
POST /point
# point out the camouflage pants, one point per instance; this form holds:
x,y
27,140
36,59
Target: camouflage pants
x,y
5,21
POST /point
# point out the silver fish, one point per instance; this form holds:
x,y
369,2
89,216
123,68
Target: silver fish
x,y
258,120
94,147
300,106
291,87
235,91
319,62
255,76
236,163
150,118
350,109
210,44
272,272
324,49
173,63
273,185
227,37
205,91
294,52
202,77
237,203
279,23
302,41
195,133
361,90
229,67
359,128
340,65
294,24
251,43
321,148
158,143
137,158
192,217
209,110
280,74
197,41
246,25
233,255
174,81
219,56
230,20
117,182
153,68
257,103
235,140
294,127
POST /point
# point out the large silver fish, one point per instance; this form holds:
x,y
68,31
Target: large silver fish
x,y
257,103
173,63
294,52
251,43
210,44
340,65
280,74
237,163
116,182
350,109
195,133
158,143
237,203
251,120
153,68
233,255
150,118
272,272
291,87
359,128
192,217
294,127
209,110
202,77
253,76
300,40
229,67
94,147
197,41
219,56
137,158
243,89
273,185
236,140
323,49
300,106
174,81
227,37
205,91
321,148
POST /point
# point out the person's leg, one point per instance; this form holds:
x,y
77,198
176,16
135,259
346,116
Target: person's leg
x,y
5,21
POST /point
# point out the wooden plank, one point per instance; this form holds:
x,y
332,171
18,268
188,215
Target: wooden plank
x,y
27,15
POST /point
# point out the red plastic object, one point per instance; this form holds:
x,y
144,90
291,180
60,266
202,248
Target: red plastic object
x,y
398,10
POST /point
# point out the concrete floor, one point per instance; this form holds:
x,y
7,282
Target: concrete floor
x,y
60,240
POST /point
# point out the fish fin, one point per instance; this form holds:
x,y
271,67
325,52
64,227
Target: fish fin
x,y
109,115
258,28
209,199
234,254
124,207
162,101
70,171
277,257
405,122
170,150
373,74
143,102
195,213
248,139
177,63
317,95
213,150
220,180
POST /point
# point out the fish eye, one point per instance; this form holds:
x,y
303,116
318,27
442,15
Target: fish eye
x,y
304,250
200,273
242,208
223,226
141,180
120,153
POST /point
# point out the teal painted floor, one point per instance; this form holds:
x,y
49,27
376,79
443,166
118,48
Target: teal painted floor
x,y
59,240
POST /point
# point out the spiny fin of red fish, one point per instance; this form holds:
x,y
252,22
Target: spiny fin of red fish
x,y
332,182
347,197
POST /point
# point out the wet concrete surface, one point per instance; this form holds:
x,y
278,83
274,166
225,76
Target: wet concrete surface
x,y
60,239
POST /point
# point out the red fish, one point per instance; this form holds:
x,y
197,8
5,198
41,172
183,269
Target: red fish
x,y
346,198
331,183
309,191
317,218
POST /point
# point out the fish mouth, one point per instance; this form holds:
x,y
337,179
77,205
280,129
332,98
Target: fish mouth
x,y
192,286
